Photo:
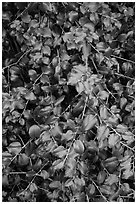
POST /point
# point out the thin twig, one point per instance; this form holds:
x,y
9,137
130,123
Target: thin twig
x,y
37,174
94,64
20,151
121,75
99,191
15,63
123,59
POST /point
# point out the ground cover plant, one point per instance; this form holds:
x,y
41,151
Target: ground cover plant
x,y
68,83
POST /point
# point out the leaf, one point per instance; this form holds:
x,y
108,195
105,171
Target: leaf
x,y
59,100
68,135
80,87
101,177
102,132
113,140
103,112
46,50
44,174
23,159
73,16
32,74
101,46
123,102
26,18
46,32
69,182
90,26
93,6
60,151
128,136
45,60
122,37
89,121
33,187
121,128
5,180
14,148
86,50
78,146
112,178
34,131
55,184
91,188
58,164
103,95
30,96
107,22
76,74
44,79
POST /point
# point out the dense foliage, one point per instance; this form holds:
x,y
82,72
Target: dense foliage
x,y
68,101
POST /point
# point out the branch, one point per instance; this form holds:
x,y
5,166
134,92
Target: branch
x,y
99,190
123,59
15,63
20,151
37,174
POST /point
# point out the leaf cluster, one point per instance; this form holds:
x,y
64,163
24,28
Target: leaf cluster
x,y
68,101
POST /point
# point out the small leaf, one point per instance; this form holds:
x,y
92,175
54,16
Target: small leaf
x,y
60,151
113,140
44,174
33,187
45,60
73,16
26,18
103,95
78,147
30,96
68,135
14,147
102,132
89,121
46,50
23,159
46,32
112,178
59,166
91,189
90,26
5,180
103,112
32,74
55,184
101,46
34,131
123,102
122,37
59,100
101,177
86,50
44,79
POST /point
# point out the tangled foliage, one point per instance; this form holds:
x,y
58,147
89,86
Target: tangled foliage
x,y
68,101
